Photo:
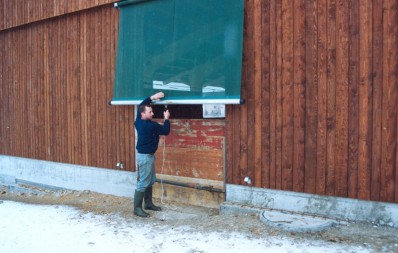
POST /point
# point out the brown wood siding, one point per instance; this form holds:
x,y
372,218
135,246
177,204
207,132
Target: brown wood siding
x,y
389,104
193,149
325,104
56,80
19,12
299,96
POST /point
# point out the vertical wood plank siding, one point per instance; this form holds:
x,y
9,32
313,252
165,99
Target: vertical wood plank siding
x,y
15,13
325,105
56,80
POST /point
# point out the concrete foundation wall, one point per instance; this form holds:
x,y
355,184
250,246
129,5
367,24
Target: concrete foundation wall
x,y
14,170
332,207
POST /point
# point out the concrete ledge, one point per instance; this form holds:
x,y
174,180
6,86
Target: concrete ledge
x,y
295,222
324,206
236,208
14,170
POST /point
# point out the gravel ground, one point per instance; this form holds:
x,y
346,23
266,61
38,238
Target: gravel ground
x,y
368,236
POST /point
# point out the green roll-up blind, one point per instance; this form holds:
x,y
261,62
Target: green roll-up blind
x,y
189,49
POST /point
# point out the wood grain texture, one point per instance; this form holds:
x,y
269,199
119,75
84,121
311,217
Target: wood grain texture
x,y
273,104
342,96
265,94
299,80
311,96
278,98
353,123
329,114
365,100
287,95
389,104
377,79
322,60
256,174
20,12
331,99
188,162
55,80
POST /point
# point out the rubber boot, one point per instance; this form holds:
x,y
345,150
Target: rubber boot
x,y
148,200
138,197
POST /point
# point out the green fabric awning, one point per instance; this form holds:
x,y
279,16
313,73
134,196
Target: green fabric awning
x,y
189,49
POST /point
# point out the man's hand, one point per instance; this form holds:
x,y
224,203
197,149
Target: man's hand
x,y
157,96
166,114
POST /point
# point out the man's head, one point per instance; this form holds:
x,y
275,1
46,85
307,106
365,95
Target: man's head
x,y
146,112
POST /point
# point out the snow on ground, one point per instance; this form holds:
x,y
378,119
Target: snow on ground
x,y
28,228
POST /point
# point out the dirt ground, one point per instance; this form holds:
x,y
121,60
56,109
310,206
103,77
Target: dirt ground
x,y
373,237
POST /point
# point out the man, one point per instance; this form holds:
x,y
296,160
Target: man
x,y
148,140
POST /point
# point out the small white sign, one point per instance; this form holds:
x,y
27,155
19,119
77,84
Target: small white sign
x,y
213,111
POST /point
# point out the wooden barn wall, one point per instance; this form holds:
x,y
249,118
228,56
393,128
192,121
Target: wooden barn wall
x,y
56,80
15,13
194,149
320,79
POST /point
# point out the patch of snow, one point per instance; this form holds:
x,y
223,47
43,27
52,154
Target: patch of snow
x,y
49,228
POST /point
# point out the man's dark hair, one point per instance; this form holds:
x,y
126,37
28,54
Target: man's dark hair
x,y
141,108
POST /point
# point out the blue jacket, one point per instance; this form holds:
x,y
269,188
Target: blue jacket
x,y
149,131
